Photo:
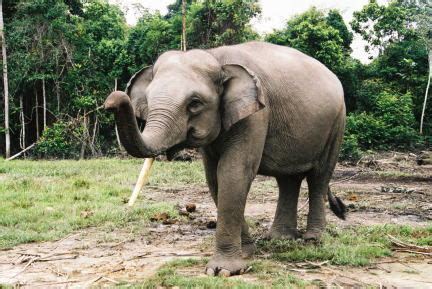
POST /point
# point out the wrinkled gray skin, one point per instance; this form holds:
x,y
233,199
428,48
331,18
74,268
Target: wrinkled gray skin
x,y
253,108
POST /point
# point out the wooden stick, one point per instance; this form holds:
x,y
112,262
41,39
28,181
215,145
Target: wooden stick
x,y
142,180
21,152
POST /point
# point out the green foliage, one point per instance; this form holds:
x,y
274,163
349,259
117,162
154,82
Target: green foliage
x,y
401,33
334,19
81,49
210,24
226,22
311,33
350,149
389,124
152,36
61,140
381,25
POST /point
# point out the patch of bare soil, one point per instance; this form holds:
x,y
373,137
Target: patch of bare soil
x,y
393,190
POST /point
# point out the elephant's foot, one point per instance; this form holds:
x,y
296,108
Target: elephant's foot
x,y
313,235
226,266
248,250
283,234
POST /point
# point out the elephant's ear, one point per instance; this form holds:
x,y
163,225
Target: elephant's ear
x,y
242,94
136,89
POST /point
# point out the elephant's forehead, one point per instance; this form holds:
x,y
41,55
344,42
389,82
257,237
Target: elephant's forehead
x,y
179,84
197,61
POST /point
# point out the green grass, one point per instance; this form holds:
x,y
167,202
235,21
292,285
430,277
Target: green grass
x,y
46,200
268,274
356,246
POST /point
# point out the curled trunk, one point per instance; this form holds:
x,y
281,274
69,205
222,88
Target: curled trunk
x,y
130,136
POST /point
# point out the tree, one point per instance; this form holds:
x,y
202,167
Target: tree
x,y
225,22
381,25
311,33
152,35
5,83
334,19
422,15
401,32
183,37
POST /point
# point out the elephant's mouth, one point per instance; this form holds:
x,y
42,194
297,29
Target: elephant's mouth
x,y
171,152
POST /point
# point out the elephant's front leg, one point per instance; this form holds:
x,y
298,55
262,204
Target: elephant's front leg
x,y
234,180
211,160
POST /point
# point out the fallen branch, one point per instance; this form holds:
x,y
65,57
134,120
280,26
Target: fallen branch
x,y
414,252
53,283
21,152
344,179
46,258
110,280
410,248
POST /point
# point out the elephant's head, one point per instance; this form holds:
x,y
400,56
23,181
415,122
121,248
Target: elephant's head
x,y
186,99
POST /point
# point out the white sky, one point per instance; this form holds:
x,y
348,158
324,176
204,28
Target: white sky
x,y
274,14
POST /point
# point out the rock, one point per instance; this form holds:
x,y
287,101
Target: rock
x,y
86,214
425,158
211,224
183,213
191,208
160,217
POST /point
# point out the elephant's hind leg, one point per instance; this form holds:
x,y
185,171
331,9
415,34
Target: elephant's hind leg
x,y
316,220
318,181
285,221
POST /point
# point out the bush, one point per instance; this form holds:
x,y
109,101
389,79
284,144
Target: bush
x,y
389,125
350,149
59,140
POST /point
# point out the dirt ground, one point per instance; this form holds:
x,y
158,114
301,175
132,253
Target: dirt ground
x,y
393,190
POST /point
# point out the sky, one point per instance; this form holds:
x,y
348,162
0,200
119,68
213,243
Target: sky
x,y
274,14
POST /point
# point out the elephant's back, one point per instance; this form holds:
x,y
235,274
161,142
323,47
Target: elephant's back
x,y
284,71
304,99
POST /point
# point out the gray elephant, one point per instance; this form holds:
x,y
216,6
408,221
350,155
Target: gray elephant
x,y
253,108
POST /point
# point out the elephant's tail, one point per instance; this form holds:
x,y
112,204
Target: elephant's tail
x,y
336,205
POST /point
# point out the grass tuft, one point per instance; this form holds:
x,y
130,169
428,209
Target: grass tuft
x,y
356,246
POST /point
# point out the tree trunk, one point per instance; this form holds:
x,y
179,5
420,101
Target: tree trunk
x,y
37,114
183,38
427,92
5,83
93,138
84,140
23,128
58,96
44,104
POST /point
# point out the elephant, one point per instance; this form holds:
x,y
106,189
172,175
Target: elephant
x,y
251,108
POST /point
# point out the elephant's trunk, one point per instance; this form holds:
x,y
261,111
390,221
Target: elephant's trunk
x,y
135,144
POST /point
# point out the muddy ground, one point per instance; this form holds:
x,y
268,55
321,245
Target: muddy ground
x,y
390,190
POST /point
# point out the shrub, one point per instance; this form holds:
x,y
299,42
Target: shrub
x,y
389,124
59,140
350,149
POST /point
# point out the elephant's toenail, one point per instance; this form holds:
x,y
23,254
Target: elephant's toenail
x,y
224,273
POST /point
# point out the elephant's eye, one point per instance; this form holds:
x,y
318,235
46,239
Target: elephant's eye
x,y
195,105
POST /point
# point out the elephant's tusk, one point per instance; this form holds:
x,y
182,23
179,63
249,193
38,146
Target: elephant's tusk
x,y
142,180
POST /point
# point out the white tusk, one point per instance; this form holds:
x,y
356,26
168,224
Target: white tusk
x,y
142,180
